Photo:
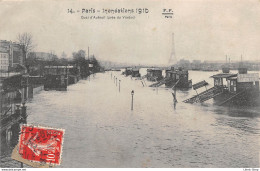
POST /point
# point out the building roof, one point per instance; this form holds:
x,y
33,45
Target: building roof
x,y
223,75
5,43
232,78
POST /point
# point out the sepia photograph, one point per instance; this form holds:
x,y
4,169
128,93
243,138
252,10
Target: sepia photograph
x,y
130,84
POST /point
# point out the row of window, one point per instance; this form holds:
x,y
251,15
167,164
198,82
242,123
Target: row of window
x,y
4,62
3,55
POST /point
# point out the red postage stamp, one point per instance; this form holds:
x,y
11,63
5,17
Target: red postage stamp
x,y
41,144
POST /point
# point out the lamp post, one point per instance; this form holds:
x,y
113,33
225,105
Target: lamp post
x,y
116,81
119,84
132,93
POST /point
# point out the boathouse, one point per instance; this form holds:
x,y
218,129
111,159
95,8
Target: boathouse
x,y
241,88
179,76
236,89
154,74
238,82
135,72
128,71
59,77
56,77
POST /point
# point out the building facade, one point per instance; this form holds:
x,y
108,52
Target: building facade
x,y
11,55
4,60
18,54
4,55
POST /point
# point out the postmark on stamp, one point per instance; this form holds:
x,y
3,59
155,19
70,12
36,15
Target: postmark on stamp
x,y
41,144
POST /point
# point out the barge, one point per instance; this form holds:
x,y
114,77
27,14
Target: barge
x,y
59,77
154,74
128,71
135,72
179,76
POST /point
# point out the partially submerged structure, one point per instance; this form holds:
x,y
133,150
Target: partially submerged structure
x,y
135,72
59,77
239,89
128,71
154,74
179,76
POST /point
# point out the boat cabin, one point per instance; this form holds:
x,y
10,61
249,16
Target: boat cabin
x,y
218,79
128,71
56,77
154,74
181,75
230,89
135,72
237,82
177,74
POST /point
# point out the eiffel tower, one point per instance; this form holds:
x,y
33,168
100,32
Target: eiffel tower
x,y
173,59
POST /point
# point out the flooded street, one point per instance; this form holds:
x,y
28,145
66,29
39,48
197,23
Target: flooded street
x,y
102,131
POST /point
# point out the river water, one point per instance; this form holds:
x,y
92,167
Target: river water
x,y
102,131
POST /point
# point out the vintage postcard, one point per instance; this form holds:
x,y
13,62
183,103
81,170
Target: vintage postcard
x,y
134,84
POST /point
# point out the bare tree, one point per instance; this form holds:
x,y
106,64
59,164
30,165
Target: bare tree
x,y
26,39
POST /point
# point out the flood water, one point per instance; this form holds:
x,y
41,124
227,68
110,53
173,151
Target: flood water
x,y
102,131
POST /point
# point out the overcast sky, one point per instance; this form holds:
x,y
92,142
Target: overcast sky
x,y
205,30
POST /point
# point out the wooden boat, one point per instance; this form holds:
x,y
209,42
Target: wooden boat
x,y
154,74
128,71
135,72
178,75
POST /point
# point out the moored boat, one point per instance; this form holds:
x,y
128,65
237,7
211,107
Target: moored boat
x,y
135,72
179,76
231,89
154,74
128,71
